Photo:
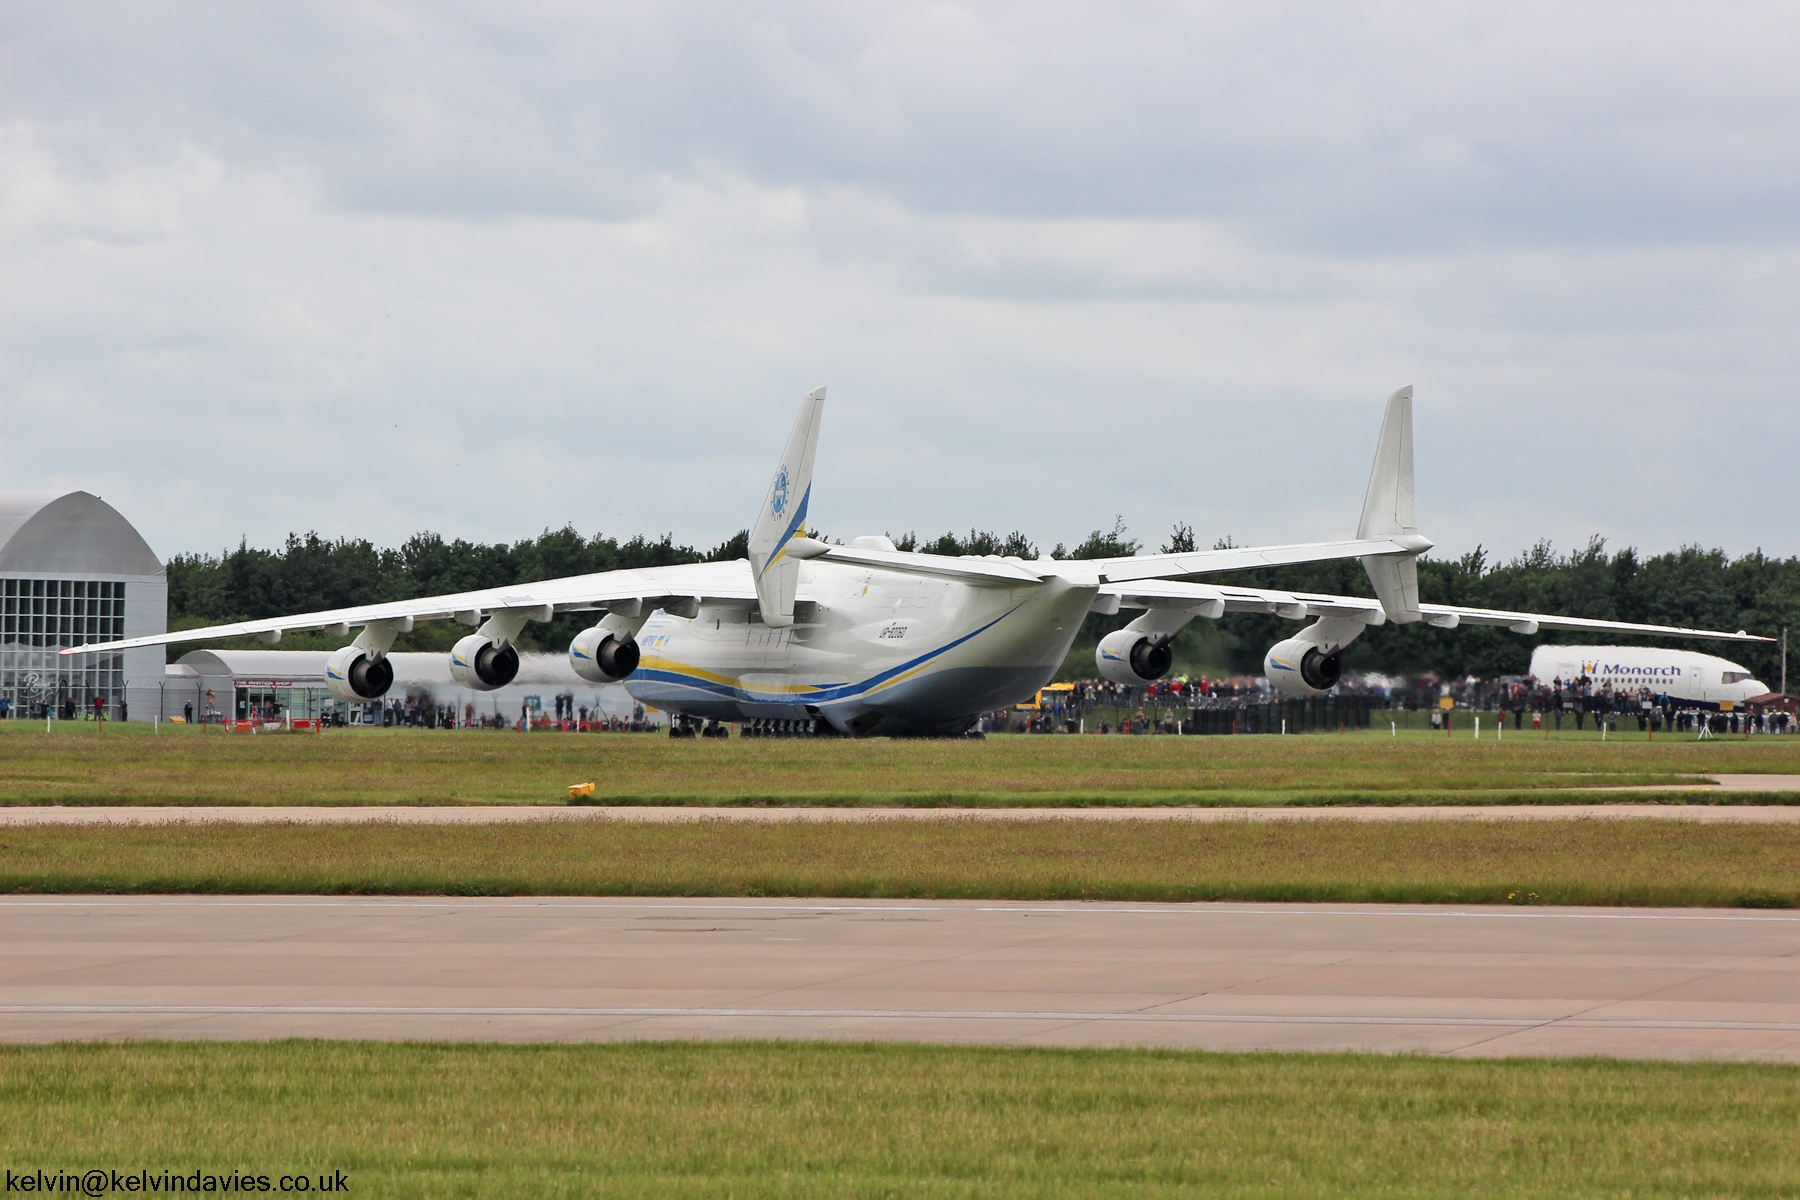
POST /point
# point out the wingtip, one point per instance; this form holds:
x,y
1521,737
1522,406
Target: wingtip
x,y
817,393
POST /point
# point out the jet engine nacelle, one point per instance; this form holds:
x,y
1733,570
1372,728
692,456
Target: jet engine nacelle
x,y
1130,657
1300,667
602,655
476,662
355,677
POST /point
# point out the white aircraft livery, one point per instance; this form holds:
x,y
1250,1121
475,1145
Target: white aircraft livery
x,y
1682,675
868,639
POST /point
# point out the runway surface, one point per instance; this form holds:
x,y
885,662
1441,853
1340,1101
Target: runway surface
x,y
1481,981
1778,814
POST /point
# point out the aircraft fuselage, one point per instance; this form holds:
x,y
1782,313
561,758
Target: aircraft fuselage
x,y
1685,676
871,652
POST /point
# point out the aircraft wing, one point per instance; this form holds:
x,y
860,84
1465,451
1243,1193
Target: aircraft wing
x,y
1449,616
1215,600
994,571
656,587
1238,558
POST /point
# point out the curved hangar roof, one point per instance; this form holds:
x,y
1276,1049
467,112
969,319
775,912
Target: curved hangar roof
x,y
42,533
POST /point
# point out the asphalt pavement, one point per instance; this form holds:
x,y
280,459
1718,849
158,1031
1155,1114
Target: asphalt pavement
x,y
1721,984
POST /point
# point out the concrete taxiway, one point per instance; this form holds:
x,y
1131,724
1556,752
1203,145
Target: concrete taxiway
x,y
484,814
1496,981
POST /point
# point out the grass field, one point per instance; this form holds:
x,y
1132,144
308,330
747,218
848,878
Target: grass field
x,y
1637,862
80,764
793,1120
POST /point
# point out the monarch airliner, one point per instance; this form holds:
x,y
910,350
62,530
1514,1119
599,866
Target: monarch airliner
x,y
1685,676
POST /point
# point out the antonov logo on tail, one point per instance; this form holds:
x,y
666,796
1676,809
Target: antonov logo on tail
x,y
779,504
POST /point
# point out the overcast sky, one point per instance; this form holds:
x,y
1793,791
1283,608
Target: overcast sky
x,y
485,269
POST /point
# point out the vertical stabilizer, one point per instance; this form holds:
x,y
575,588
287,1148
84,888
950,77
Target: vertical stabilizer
x,y
1388,511
783,517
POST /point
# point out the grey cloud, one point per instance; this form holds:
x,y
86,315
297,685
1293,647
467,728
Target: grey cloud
x,y
381,267
1363,130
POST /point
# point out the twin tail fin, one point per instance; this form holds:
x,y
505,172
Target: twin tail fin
x,y
782,517
1388,512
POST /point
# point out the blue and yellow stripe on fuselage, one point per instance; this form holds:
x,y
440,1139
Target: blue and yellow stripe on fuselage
x,y
660,680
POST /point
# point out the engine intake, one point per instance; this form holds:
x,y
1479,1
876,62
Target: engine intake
x,y
1129,657
476,662
1301,667
600,655
354,677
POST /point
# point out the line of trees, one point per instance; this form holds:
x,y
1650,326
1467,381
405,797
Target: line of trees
x,y
1701,589
1691,586
310,573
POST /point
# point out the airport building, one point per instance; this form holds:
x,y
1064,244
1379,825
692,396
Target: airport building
x,y
73,571
250,685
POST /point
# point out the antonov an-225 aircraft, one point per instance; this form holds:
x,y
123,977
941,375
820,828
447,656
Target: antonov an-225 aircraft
x,y
866,639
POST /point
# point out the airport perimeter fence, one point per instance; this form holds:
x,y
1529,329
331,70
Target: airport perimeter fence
x,y
1310,714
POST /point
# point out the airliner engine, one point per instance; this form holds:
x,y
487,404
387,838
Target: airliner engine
x,y
354,677
1129,657
601,655
476,662
1301,667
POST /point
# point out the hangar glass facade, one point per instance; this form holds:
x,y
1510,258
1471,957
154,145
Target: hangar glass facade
x,y
39,617
73,572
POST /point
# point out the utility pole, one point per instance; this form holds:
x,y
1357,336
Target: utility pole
x,y
1784,660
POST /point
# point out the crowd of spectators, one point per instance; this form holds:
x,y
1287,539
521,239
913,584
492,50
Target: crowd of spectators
x,y
1102,706
425,712
1164,706
1581,699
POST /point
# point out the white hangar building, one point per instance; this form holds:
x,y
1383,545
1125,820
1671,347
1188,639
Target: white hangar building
x,y
73,571
245,684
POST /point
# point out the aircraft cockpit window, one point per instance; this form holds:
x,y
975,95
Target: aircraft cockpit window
x,y
1735,676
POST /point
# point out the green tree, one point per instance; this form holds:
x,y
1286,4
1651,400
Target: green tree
x,y
1689,587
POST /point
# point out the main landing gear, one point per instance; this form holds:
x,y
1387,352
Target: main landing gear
x,y
769,727
682,727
